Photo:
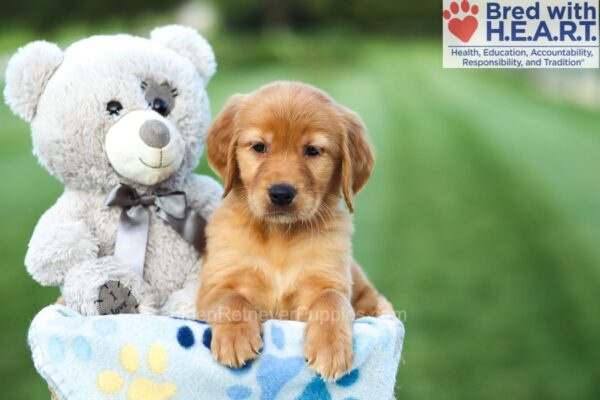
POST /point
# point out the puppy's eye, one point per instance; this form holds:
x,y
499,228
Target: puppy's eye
x,y
259,148
160,106
312,151
114,107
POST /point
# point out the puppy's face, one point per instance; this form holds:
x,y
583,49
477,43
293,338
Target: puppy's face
x,y
286,171
289,152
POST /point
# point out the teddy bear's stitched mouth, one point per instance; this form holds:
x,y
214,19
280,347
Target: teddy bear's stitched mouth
x,y
153,167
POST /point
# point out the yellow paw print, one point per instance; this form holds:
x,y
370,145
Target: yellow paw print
x,y
142,388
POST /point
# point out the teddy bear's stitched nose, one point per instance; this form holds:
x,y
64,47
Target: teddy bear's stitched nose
x,y
155,134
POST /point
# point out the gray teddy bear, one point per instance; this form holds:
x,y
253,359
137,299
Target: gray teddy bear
x,y
120,121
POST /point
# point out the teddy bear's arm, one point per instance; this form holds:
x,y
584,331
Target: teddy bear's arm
x,y
107,286
182,302
60,240
203,194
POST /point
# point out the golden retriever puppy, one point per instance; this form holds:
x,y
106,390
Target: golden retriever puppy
x,y
280,244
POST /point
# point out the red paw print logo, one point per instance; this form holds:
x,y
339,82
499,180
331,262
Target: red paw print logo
x,y
462,28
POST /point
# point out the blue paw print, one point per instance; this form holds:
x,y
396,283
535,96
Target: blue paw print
x,y
57,350
82,349
185,337
315,390
207,338
274,372
239,392
349,379
277,337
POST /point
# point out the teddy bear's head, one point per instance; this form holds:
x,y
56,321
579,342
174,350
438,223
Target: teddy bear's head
x,y
113,109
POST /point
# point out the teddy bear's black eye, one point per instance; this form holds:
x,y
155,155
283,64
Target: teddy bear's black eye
x,y
160,106
114,107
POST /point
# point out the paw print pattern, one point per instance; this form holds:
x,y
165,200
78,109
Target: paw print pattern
x,y
141,388
464,28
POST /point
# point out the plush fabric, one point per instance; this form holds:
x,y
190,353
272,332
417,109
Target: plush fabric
x,y
146,357
67,97
26,78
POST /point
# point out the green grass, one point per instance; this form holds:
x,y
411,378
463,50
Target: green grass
x,y
481,223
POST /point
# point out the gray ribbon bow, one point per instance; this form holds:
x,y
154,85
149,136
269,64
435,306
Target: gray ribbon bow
x,y
132,232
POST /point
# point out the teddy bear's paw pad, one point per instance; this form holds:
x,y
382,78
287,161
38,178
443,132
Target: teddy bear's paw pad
x,y
116,298
140,388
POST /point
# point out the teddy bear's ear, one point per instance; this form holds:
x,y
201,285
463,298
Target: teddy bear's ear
x,y
188,43
27,74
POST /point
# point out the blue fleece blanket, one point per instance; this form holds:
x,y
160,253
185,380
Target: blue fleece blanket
x,y
141,357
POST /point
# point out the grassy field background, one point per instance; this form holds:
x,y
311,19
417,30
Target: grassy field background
x,y
481,222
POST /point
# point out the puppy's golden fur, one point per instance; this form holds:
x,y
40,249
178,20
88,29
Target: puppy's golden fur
x,y
288,262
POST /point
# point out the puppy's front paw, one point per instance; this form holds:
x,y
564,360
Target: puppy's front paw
x,y
328,349
233,344
384,307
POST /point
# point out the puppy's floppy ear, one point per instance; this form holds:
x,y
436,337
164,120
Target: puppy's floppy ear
x,y
221,143
188,43
357,156
27,74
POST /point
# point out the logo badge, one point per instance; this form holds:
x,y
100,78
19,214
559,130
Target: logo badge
x,y
520,33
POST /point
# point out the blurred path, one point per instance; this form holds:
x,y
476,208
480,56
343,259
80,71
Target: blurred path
x,y
486,210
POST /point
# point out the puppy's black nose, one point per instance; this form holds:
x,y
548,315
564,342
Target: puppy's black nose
x,y
282,194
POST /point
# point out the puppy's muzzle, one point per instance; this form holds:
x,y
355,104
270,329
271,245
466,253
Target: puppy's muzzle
x,y
282,194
